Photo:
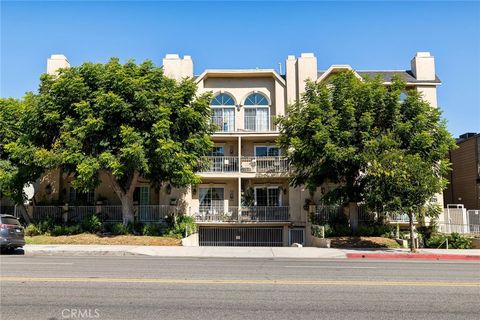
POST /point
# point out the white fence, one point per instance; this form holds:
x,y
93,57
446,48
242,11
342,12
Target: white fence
x,y
274,164
455,218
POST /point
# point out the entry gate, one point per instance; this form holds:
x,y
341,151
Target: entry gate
x,y
241,236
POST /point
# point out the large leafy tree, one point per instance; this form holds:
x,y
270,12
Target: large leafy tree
x,y
17,167
408,164
126,120
335,133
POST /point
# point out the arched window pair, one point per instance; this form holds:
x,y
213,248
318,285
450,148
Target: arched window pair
x,y
257,112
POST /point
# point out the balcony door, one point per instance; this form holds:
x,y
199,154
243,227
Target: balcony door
x,y
211,199
224,118
257,119
257,113
267,158
267,196
218,154
223,112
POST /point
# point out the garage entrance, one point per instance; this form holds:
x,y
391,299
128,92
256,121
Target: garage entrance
x,y
241,236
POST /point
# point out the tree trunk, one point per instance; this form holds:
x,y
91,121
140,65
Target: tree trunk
x,y
412,234
127,208
126,196
353,215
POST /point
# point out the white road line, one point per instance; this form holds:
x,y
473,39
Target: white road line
x,y
330,267
40,263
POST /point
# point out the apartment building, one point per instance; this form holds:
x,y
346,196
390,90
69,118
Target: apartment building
x,y
464,179
244,197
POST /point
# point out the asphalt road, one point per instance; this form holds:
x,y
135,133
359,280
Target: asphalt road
x,y
136,287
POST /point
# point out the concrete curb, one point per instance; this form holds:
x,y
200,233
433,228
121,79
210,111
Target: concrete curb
x,y
249,252
417,256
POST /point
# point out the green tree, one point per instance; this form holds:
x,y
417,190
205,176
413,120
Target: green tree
x,y
125,120
407,165
17,167
335,132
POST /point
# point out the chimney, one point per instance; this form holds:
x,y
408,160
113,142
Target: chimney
x,y
306,69
55,62
423,66
176,68
291,78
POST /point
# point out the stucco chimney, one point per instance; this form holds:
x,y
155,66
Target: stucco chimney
x,y
423,66
55,62
176,68
306,69
291,78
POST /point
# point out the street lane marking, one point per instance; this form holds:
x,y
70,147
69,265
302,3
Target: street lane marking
x,y
330,267
248,282
41,263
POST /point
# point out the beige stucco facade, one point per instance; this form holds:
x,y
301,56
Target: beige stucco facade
x,y
246,131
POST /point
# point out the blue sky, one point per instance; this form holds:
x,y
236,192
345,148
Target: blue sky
x,y
366,35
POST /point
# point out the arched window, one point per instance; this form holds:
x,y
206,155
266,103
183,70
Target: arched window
x,y
256,99
223,99
223,106
257,113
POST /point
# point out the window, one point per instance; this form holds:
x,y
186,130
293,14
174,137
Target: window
x,y
257,113
218,160
223,107
211,199
267,196
266,151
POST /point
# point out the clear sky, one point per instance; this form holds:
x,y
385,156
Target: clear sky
x,y
366,35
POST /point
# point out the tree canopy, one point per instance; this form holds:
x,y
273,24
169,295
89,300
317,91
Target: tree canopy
x,y
17,167
126,120
360,135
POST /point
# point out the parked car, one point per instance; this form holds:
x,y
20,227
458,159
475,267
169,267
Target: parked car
x,y
11,233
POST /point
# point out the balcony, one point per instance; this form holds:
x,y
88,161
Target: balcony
x,y
227,123
229,164
220,164
245,214
275,164
259,124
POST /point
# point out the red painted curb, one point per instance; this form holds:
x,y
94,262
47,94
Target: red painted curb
x,y
421,256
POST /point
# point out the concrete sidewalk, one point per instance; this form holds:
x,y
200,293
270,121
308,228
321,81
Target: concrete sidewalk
x,y
250,252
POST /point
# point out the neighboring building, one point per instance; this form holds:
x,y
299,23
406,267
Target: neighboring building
x,y
464,179
244,197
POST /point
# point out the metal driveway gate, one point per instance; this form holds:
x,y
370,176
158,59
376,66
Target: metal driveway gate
x,y
241,236
296,235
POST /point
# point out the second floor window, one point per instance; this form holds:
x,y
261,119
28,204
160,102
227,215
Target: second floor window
x,y
257,113
223,115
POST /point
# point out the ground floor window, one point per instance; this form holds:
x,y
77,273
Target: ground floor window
x,y
211,198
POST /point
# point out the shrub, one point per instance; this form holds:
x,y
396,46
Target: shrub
x,y
92,224
66,230
455,241
31,230
119,229
365,231
150,229
46,226
184,224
